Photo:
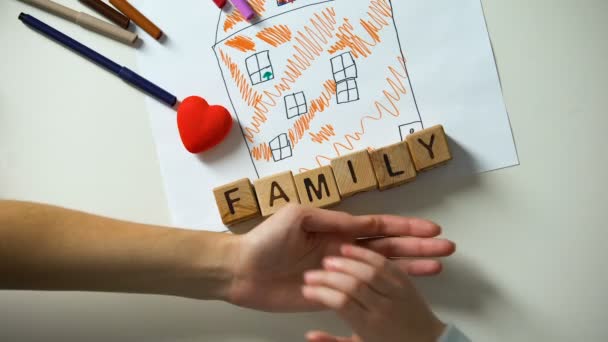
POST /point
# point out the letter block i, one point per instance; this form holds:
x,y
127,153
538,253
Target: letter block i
x,y
317,188
275,192
236,202
354,173
429,148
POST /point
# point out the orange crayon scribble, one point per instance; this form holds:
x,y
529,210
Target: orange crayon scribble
x,y
275,35
317,105
235,17
302,125
248,94
232,19
387,105
308,47
262,151
323,161
380,12
324,134
241,43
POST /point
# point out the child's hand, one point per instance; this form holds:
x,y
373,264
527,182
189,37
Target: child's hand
x,y
374,295
269,261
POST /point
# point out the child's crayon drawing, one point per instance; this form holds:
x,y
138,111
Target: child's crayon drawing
x,y
310,80
314,80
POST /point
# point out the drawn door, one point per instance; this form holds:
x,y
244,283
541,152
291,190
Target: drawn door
x,y
313,80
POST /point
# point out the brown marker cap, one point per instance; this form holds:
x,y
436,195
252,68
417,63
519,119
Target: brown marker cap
x,y
108,12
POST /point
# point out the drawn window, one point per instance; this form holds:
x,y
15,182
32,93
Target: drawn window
x,y
259,67
284,2
281,148
343,67
347,91
295,105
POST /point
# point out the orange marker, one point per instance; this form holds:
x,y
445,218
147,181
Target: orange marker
x,y
138,18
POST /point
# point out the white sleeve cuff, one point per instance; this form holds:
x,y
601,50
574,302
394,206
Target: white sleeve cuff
x,y
452,334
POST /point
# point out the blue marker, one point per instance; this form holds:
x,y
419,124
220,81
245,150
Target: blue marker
x,y
127,75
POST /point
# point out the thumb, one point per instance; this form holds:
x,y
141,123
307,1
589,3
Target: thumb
x,y
320,336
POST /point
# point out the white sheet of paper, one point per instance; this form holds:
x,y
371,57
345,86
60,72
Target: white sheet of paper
x,y
312,80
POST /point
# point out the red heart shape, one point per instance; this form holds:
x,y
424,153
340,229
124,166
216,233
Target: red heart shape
x,y
201,126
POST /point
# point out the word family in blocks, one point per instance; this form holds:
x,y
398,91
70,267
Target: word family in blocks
x,y
362,171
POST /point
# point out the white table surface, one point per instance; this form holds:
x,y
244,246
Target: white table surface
x,y
531,264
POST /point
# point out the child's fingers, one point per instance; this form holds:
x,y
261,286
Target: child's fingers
x,y
420,268
378,262
320,336
399,269
410,247
344,305
347,284
375,278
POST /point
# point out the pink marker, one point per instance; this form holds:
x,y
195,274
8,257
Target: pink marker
x,y
244,8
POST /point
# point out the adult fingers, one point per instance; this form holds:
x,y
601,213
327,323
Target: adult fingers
x,y
327,221
347,284
321,336
410,247
348,308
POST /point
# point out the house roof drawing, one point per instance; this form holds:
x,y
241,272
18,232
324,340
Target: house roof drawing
x,y
230,21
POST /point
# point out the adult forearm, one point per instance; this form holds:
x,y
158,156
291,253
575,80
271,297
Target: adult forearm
x,y
49,248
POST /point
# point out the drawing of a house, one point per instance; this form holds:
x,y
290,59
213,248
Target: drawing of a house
x,y
313,80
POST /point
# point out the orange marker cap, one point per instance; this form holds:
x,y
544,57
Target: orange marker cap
x,y
138,18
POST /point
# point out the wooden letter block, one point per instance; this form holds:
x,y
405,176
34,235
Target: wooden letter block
x,y
317,188
354,173
429,148
236,202
275,192
393,166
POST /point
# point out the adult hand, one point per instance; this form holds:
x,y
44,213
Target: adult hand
x,y
270,260
374,296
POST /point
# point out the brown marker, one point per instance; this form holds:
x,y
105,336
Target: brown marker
x,y
138,18
108,12
87,21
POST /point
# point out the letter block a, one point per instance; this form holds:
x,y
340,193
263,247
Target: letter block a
x,y
276,191
317,188
236,202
